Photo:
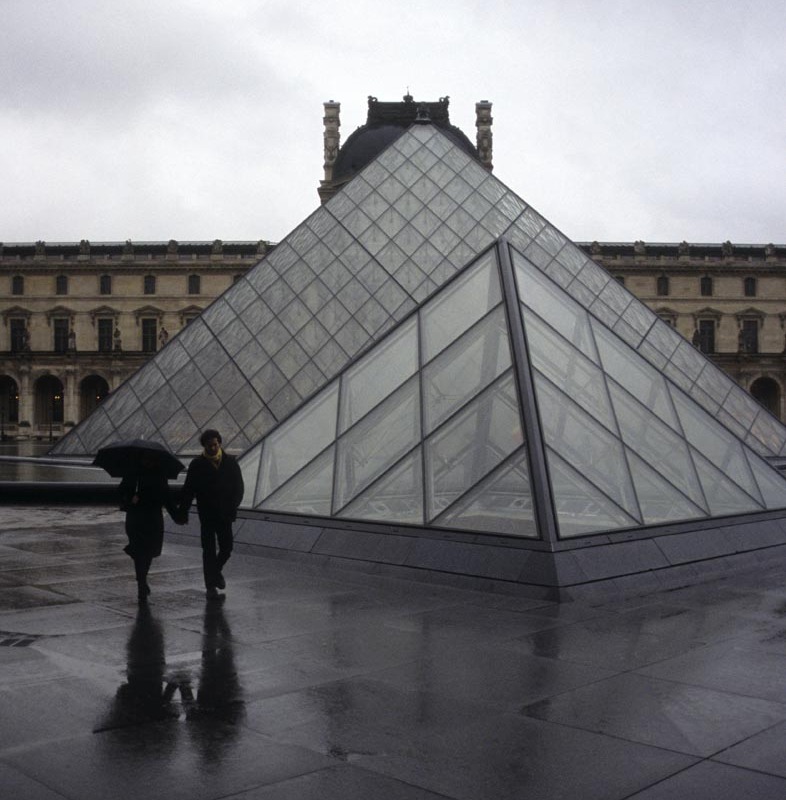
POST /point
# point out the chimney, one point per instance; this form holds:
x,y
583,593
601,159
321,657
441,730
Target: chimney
x,y
332,139
483,120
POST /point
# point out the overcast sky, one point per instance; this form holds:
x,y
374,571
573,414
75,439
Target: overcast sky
x,y
618,120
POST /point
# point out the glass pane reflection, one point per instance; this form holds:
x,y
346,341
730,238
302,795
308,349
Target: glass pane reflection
x,y
298,440
451,313
468,447
396,497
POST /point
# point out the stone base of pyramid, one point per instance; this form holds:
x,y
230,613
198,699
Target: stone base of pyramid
x,y
596,568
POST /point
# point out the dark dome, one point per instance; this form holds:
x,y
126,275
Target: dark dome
x,y
385,123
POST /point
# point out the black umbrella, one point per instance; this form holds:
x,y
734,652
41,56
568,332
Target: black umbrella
x,y
137,455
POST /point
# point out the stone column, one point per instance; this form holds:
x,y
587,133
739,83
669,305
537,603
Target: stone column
x,y
483,121
70,396
25,397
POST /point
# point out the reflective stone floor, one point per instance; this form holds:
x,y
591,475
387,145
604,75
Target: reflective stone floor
x,y
306,683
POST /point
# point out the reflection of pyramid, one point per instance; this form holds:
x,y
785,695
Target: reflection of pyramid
x,y
498,364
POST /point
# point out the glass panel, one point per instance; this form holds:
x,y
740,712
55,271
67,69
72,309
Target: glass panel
x,y
377,441
471,445
446,317
581,507
548,301
767,430
465,368
723,495
688,360
658,445
663,338
585,444
566,367
715,442
741,406
378,374
308,492
396,497
501,504
298,441
659,500
203,404
771,482
626,367
249,467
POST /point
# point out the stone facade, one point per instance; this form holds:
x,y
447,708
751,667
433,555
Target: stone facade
x,y
79,318
728,299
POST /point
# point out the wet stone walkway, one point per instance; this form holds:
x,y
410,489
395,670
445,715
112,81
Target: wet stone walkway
x,y
309,682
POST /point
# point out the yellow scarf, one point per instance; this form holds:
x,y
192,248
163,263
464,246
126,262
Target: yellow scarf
x,y
216,459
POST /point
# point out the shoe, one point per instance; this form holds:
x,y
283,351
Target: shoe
x,y
220,582
212,592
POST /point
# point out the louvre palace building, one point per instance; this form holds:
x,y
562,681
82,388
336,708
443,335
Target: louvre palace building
x,y
79,318
427,375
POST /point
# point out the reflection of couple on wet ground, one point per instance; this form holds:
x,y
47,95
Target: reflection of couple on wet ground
x,y
213,695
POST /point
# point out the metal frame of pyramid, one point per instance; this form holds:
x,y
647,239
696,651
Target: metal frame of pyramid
x,y
390,243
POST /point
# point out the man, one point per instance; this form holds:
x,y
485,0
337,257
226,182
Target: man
x,y
215,479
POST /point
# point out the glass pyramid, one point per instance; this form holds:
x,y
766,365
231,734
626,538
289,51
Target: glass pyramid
x,y
514,372
432,427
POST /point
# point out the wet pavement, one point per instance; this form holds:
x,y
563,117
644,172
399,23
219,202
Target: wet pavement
x,y
309,682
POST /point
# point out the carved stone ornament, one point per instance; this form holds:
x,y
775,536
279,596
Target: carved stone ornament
x,y
128,248
596,248
84,247
639,248
217,248
684,248
171,248
40,248
727,248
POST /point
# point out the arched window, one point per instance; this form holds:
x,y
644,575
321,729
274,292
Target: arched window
x,y
92,391
706,286
749,287
768,393
662,285
9,401
48,401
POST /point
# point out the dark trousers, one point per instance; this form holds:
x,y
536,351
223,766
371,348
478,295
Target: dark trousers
x,y
215,532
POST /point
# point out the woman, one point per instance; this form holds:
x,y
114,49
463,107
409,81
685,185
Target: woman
x,y
143,496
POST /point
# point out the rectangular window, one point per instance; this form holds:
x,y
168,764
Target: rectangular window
x,y
749,336
60,329
18,335
194,284
105,329
706,286
61,284
150,284
707,335
149,335
749,287
662,287
105,286
17,285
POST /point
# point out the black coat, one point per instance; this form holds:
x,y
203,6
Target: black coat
x,y
144,519
218,492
